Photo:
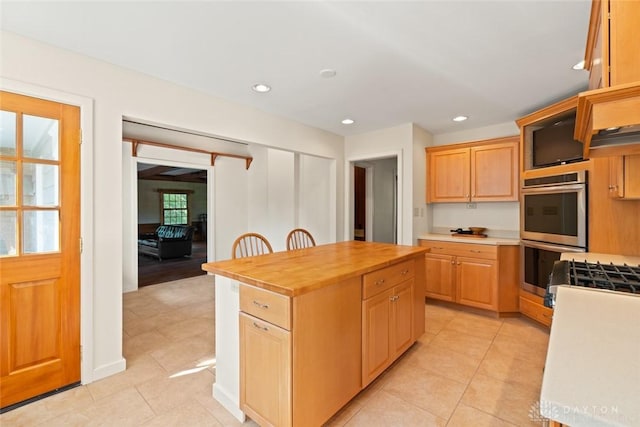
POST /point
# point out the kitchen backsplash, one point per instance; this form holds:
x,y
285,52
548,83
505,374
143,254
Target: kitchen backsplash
x,y
491,232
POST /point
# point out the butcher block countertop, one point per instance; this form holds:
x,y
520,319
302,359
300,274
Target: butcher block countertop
x,y
297,272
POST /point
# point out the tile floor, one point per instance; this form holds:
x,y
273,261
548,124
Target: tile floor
x,y
469,369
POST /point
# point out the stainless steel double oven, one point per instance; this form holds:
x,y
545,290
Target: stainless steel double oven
x,y
553,219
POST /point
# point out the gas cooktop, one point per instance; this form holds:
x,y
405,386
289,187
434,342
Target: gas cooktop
x,y
612,277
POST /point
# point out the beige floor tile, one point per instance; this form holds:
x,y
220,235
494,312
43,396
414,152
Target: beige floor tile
x,y
138,371
434,393
505,400
386,409
147,342
531,348
463,343
184,354
125,408
164,394
186,328
505,366
49,408
223,416
442,361
191,414
475,325
467,416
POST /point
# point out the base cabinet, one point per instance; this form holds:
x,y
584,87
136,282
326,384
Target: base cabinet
x,y
265,371
533,307
387,320
476,275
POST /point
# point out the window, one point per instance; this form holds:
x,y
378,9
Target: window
x,y
175,207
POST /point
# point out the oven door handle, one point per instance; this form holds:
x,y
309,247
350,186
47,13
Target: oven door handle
x,y
554,189
551,247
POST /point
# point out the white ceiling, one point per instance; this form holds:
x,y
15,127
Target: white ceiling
x,y
396,62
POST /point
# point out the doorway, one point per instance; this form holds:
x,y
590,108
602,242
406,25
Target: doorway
x,y
375,199
176,197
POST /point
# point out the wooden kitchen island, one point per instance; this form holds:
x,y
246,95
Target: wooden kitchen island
x,y
300,333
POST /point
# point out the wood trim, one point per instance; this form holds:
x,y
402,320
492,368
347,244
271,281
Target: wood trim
x,y
552,110
592,34
214,154
475,143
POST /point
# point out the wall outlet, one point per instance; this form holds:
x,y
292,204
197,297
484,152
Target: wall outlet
x,y
471,206
416,211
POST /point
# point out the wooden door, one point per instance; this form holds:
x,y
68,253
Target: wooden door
x,y
448,176
265,372
39,247
440,276
360,203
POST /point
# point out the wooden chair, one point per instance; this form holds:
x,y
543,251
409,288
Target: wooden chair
x,y
250,244
299,238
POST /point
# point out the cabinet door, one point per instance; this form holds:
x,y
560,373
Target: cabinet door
x,y
265,371
448,176
376,335
624,177
494,172
476,282
624,43
402,317
440,276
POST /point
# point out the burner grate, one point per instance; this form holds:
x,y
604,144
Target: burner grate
x,y
622,278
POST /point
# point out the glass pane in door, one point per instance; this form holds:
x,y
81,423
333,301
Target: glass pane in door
x,y
8,233
39,184
7,183
7,133
40,137
40,231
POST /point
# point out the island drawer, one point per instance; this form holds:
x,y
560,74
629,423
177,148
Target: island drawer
x,y
461,249
266,305
380,280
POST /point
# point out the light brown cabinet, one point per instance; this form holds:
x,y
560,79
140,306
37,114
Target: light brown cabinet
x,y
476,275
613,46
624,177
387,319
533,307
484,171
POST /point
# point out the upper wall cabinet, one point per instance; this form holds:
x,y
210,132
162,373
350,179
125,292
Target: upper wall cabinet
x,y
613,43
482,171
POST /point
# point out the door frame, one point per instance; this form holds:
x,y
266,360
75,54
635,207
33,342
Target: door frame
x,y
350,196
86,209
156,156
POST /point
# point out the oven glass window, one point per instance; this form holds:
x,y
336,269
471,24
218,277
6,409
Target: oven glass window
x,y
554,213
538,265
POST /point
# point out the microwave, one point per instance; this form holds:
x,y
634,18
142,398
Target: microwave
x,y
553,209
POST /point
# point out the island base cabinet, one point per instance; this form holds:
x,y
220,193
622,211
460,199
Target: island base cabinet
x,y
387,320
265,372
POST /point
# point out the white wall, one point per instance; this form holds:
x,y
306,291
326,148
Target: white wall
x,y
118,92
421,211
501,219
149,199
316,197
395,141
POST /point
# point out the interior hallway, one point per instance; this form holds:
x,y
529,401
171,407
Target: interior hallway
x,y
467,370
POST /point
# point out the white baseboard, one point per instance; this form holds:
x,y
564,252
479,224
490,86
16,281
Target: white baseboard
x,y
228,402
109,369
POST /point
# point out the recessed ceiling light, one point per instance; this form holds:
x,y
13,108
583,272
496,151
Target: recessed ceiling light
x,y
261,87
327,73
460,118
348,122
579,65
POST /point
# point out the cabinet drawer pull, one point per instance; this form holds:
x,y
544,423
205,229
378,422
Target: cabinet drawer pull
x,y
379,282
404,272
548,316
263,328
453,262
394,298
475,251
260,305
436,247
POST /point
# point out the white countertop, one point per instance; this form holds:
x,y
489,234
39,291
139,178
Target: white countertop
x,y
592,373
477,240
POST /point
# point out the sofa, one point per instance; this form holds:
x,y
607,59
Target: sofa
x,y
168,241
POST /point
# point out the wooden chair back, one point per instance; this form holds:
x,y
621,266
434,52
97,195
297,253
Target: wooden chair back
x,y
299,238
250,244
